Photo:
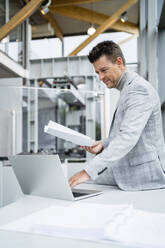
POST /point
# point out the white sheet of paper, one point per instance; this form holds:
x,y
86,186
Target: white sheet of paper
x,y
79,220
68,134
143,229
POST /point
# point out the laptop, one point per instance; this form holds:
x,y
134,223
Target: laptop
x,y
43,175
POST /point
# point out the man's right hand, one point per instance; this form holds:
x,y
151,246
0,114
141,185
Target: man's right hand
x,y
97,147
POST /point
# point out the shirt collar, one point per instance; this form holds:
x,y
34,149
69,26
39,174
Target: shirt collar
x,y
121,81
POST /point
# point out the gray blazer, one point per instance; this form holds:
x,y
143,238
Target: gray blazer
x,y
135,148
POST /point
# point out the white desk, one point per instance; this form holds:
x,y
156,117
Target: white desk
x,y
145,200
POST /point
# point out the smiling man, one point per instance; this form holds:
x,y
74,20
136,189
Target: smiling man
x,y
132,157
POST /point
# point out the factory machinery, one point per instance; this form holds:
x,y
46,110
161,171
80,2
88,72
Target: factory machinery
x,y
65,90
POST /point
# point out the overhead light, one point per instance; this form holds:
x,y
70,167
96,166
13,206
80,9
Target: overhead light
x,y
123,16
45,7
45,10
91,30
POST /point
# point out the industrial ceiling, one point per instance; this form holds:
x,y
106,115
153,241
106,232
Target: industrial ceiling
x,y
73,17
76,19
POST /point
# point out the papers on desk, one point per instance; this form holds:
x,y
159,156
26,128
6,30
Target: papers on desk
x,y
68,134
139,228
79,220
97,222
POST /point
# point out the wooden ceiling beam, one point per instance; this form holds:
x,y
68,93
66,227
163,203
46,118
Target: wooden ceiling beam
x,y
50,18
105,25
61,3
57,30
89,16
25,12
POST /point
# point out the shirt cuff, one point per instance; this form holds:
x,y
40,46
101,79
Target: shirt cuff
x,y
94,169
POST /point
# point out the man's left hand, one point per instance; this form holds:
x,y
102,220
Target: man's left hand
x,y
78,178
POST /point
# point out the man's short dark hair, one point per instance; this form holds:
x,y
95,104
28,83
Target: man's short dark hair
x,y
107,48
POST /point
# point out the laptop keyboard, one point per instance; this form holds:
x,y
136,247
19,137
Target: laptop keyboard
x,y
77,194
